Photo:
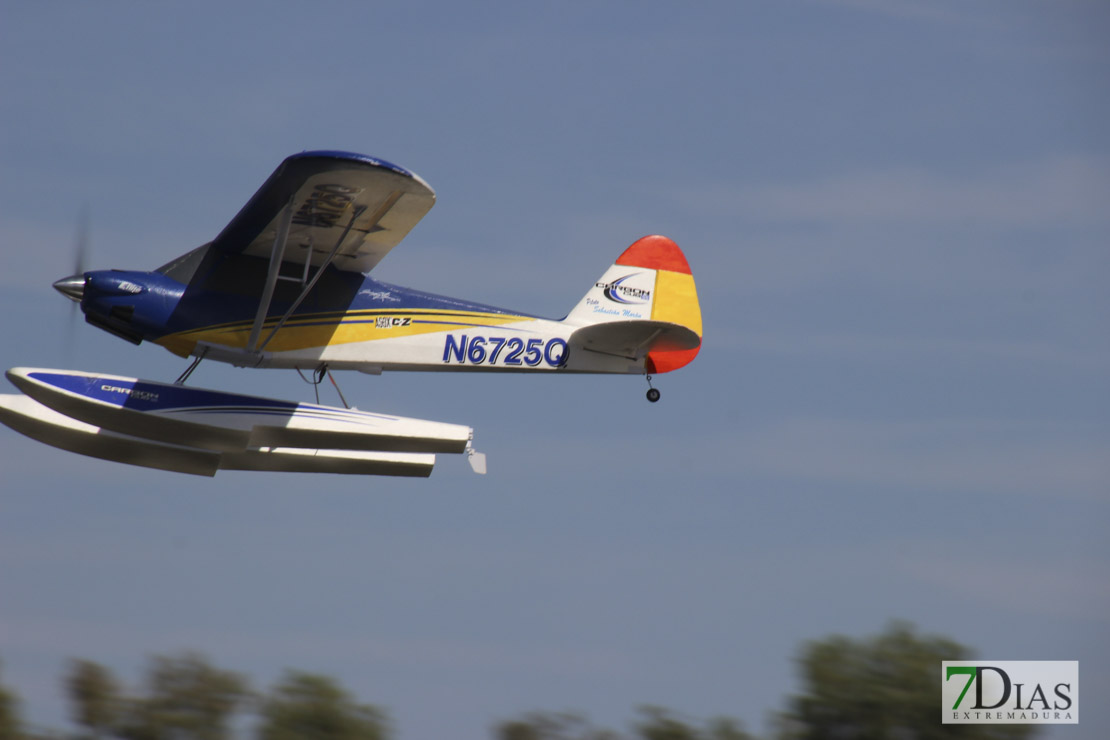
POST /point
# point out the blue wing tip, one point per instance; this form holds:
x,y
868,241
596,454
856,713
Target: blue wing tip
x,y
352,157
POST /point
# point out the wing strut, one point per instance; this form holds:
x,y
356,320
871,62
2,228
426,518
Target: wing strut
x,y
319,272
276,255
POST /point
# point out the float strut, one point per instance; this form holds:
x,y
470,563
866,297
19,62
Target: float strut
x,y
189,370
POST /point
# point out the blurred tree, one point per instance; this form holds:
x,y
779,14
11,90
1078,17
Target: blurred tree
x,y
661,724
658,723
94,696
186,699
305,705
655,723
883,687
726,728
551,726
9,714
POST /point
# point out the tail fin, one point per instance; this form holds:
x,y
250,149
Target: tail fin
x,y
649,291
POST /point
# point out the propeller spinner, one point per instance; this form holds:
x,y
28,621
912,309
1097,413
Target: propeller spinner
x,y
72,287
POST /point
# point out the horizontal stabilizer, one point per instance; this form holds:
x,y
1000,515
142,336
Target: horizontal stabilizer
x,y
633,339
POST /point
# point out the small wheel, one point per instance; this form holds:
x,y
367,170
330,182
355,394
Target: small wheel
x,y
653,394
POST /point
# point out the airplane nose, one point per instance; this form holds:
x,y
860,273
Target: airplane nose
x,y
72,287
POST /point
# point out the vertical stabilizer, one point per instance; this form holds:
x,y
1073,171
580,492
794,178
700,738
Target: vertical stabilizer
x,y
650,281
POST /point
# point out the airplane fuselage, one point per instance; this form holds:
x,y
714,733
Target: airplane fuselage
x,y
348,321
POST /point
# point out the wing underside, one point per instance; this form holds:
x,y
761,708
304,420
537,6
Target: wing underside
x,y
354,206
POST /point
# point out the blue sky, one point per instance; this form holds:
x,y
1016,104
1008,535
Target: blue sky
x,y
897,215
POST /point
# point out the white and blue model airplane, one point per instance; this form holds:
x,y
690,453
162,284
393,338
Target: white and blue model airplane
x,y
285,285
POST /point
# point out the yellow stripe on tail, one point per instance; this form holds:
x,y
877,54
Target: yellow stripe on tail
x,y
675,299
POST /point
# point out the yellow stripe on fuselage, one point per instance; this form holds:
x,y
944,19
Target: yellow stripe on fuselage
x,y
321,330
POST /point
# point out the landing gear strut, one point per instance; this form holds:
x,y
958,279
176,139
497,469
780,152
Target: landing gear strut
x,y
653,393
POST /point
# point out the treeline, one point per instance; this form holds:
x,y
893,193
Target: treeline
x,y
886,686
185,697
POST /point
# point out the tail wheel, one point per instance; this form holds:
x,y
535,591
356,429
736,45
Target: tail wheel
x,y
653,394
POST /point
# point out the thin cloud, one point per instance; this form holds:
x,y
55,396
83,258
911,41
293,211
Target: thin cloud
x,y
969,455
1058,191
903,346
122,642
1064,587
904,9
960,455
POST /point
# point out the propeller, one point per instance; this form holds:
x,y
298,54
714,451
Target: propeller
x,y
73,287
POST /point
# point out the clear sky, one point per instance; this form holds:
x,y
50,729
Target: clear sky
x,y
898,215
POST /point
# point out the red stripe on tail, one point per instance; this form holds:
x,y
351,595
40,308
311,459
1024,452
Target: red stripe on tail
x,y
655,253
663,361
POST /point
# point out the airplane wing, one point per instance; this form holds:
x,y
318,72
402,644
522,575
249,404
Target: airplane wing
x,y
364,205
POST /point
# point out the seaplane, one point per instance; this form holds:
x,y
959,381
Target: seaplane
x,y
287,284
